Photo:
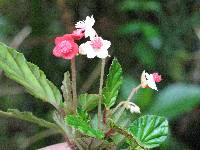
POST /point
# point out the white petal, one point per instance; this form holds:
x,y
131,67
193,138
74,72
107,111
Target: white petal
x,y
134,108
85,48
102,53
150,81
89,21
106,44
143,79
90,32
91,53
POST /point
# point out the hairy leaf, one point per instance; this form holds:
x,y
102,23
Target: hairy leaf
x,y
83,126
113,82
150,130
29,75
88,101
28,116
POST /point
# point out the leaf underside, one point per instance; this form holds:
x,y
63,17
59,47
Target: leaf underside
x,y
28,116
17,68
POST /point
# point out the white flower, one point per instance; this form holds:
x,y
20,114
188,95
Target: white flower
x,y
86,25
132,107
147,80
96,47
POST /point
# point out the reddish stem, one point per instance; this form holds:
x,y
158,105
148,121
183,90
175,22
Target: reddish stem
x,y
109,133
105,115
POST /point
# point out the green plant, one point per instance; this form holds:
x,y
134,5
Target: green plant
x,y
75,116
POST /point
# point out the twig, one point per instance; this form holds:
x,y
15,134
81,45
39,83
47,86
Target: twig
x,y
66,15
73,72
100,92
20,37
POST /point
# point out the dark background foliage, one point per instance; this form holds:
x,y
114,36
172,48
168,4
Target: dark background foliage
x,y
155,35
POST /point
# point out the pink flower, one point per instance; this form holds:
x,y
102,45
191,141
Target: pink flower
x,y
157,78
96,47
65,47
77,34
149,80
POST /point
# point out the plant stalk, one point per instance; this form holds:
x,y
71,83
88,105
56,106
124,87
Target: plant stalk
x,y
126,134
134,90
73,74
100,92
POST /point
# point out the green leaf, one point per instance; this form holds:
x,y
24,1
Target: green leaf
x,y
83,114
16,67
84,127
139,5
28,116
113,83
88,101
150,130
176,99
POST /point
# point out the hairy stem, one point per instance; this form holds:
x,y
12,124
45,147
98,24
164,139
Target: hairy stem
x,y
78,145
105,115
74,94
134,90
126,134
100,92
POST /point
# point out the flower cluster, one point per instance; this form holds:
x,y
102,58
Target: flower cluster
x,y
147,81
67,48
150,80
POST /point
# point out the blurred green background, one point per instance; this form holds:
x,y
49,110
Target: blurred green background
x,y
151,35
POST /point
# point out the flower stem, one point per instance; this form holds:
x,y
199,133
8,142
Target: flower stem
x,y
126,134
105,115
134,90
73,72
100,92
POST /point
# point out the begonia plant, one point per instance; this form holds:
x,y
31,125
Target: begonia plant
x,y
91,120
